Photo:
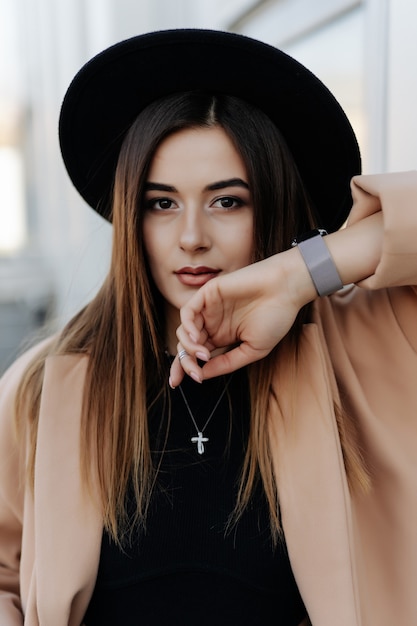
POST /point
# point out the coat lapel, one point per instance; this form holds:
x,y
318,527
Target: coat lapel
x,y
67,521
312,486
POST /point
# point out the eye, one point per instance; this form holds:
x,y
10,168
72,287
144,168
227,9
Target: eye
x,y
160,204
228,202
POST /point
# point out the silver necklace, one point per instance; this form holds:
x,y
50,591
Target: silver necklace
x,y
200,440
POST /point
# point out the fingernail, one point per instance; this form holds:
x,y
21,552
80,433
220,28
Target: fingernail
x,y
202,356
193,337
195,377
170,383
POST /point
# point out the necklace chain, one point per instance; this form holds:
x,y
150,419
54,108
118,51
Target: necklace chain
x,y
200,439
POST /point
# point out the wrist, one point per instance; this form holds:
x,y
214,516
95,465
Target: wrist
x,y
299,284
319,262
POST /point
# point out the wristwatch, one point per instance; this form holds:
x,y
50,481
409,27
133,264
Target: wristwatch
x,y
318,260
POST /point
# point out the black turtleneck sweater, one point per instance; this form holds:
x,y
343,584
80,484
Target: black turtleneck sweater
x,y
190,567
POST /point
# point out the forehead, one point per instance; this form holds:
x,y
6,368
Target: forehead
x,y
197,151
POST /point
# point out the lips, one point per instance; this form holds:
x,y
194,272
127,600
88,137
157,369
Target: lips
x,y
196,276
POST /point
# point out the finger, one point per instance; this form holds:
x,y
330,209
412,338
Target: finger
x,y
191,317
201,349
184,363
189,364
176,373
232,360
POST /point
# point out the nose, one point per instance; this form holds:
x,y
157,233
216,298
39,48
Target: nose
x,y
194,235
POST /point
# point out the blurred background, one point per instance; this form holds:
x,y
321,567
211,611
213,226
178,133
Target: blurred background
x,y
54,250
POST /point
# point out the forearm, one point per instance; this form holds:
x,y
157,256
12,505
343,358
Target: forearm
x,y
355,250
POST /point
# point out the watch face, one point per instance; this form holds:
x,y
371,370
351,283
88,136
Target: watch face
x,y
316,232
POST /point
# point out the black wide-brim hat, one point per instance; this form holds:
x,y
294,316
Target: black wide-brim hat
x,y
110,91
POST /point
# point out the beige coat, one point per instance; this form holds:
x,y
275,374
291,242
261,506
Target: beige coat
x,y
354,558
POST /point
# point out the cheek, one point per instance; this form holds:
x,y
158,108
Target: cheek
x,y
245,243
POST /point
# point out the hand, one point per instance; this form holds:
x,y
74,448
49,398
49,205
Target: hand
x,y
238,318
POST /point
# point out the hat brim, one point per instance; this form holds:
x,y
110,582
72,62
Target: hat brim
x,y
109,92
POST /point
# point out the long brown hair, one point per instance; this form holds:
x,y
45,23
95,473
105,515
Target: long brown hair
x,y
122,329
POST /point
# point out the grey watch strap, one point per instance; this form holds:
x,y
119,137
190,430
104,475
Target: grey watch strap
x,y
320,264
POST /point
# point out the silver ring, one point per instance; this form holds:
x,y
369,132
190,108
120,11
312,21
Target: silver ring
x,y
182,354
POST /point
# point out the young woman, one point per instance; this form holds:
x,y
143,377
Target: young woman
x,y
276,484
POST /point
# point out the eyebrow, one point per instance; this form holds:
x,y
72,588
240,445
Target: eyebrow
x,y
231,182
221,184
159,187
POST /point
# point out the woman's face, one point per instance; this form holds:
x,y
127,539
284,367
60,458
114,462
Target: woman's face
x,y
198,220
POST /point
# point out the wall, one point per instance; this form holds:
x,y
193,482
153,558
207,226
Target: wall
x,y
365,52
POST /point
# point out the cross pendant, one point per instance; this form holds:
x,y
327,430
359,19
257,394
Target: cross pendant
x,y
199,440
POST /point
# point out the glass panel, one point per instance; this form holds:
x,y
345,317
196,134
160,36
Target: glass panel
x,y
334,52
